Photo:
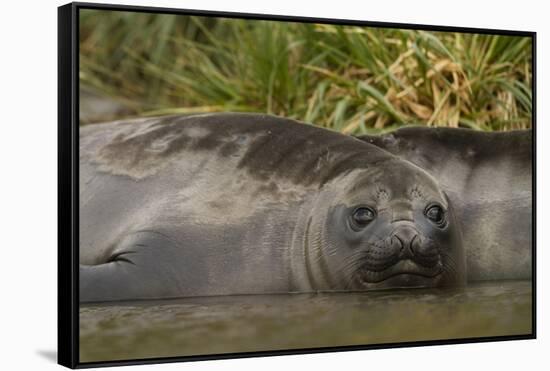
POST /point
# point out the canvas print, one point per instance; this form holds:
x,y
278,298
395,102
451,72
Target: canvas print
x,y
251,185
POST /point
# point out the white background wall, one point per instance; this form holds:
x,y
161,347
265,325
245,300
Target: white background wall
x,y
28,153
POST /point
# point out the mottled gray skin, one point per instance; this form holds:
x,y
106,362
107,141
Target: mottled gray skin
x,y
252,204
488,178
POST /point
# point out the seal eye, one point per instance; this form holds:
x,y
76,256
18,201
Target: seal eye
x,y
363,216
436,214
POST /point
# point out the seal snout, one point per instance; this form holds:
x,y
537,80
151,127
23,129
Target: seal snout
x,y
409,244
403,240
404,253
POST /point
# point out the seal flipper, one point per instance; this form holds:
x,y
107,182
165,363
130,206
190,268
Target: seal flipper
x,y
132,271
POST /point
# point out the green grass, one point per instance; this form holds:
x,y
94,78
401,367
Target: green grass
x,y
350,79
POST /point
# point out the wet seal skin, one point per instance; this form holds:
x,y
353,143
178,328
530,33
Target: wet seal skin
x,y
488,178
233,203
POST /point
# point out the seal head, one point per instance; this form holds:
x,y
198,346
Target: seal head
x,y
389,226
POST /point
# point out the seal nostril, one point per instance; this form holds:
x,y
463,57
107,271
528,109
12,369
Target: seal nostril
x,y
396,242
412,244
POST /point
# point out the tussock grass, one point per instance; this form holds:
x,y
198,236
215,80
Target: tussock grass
x,y
350,79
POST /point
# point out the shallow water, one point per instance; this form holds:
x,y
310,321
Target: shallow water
x,y
227,324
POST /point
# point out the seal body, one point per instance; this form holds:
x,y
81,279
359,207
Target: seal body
x,y
488,178
253,204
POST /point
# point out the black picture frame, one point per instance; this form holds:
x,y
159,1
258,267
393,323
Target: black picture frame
x,y
68,170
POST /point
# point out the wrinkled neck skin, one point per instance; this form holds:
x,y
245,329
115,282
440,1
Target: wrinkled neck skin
x,y
320,261
311,252
307,260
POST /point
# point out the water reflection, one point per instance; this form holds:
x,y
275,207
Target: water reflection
x,y
212,325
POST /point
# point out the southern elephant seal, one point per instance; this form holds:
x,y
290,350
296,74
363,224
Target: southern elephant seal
x,y
253,204
488,178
